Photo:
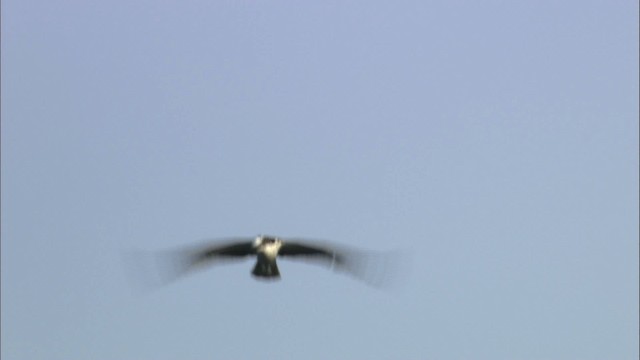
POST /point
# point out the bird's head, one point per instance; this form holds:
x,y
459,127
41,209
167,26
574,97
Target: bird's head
x,y
265,240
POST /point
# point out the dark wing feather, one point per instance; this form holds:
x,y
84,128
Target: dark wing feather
x,y
209,253
293,249
233,250
166,266
311,252
375,269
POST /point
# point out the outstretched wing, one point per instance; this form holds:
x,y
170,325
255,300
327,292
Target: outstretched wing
x,y
165,266
373,268
213,251
324,253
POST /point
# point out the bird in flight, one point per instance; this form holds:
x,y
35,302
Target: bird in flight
x,y
369,267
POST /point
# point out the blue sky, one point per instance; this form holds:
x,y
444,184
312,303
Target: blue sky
x,y
495,143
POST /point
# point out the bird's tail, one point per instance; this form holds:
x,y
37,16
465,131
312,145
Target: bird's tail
x,y
266,269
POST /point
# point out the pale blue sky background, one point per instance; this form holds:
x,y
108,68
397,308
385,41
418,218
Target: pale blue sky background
x,y
495,141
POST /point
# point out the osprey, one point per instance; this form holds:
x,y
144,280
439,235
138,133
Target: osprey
x,y
266,249
368,267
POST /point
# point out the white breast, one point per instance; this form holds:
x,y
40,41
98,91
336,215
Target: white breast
x,y
270,250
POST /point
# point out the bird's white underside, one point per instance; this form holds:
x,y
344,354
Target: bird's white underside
x,y
270,251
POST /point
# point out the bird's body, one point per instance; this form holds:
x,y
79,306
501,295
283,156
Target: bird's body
x,y
267,251
268,246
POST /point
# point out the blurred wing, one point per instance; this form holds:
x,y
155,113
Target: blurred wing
x,y
299,249
231,250
166,266
209,254
376,269
326,254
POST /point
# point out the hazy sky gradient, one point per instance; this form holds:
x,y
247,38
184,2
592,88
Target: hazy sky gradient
x,y
495,142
